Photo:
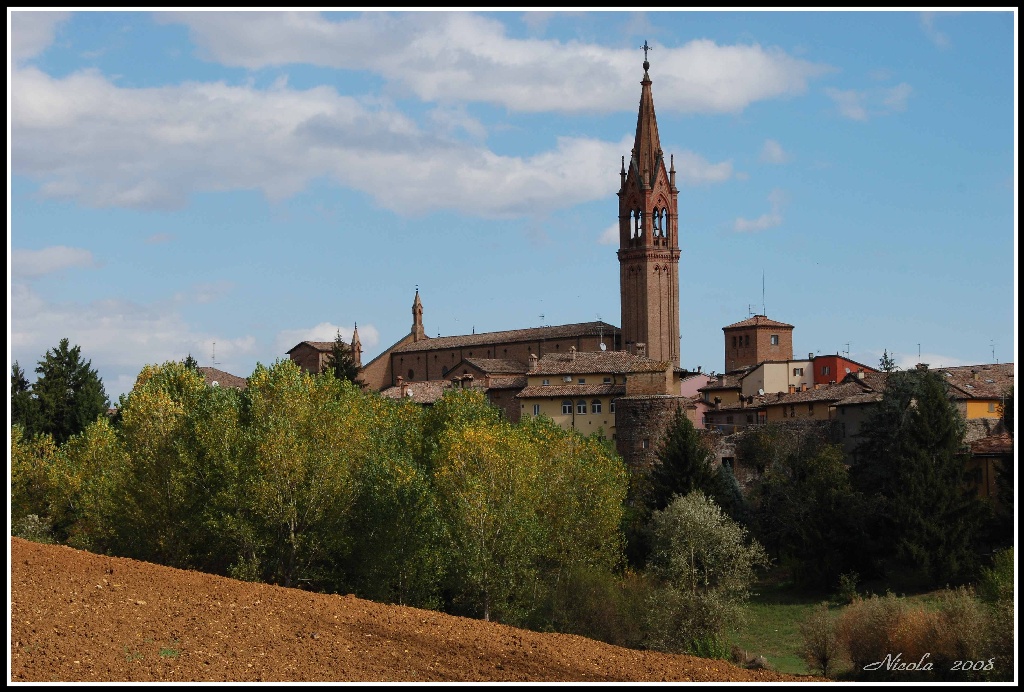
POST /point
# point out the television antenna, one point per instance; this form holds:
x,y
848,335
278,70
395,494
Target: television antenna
x,y
847,349
213,355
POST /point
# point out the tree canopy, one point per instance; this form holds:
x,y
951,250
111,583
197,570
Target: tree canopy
x,y
341,361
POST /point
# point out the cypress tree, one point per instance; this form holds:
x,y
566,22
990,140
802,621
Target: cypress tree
x,y
684,464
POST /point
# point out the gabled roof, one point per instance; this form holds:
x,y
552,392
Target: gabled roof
x,y
988,381
729,380
825,392
496,366
758,321
596,362
222,379
426,392
564,331
322,346
572,390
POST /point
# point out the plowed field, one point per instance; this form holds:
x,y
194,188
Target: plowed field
x,y
80,617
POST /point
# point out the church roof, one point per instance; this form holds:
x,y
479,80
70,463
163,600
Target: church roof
x,y
513,335
572,390
497,366
758,321
584,362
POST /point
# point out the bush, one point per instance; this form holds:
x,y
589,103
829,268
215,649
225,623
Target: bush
x,y
33,527
821,646
706,564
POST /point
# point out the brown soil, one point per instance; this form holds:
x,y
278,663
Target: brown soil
x,y
76,616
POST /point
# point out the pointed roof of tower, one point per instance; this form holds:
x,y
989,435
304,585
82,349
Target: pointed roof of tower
x,y
647,153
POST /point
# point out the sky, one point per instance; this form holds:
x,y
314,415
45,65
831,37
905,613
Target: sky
x,y
228,184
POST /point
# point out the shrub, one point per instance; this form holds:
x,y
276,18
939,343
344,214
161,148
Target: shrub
x,y
821,646
33,527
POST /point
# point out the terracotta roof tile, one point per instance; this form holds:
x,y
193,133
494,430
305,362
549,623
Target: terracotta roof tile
x,y
223,379
497,366
585,362
979,381
563,331
572,390
758,321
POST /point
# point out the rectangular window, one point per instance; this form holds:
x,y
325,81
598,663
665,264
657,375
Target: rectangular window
x,y
644,444
583,380
611,406
581,408
546,383
746,340
798,372
595,406
825,370
734,341
810,408
536,409
991,407
607,380
775,339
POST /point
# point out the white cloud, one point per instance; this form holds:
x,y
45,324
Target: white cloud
x,y
934,35
850,103
325,331
896,97
32,32
30,264
452,56
772,152
86,139
777,199
119,337
159,238
860,105
694,169
610,235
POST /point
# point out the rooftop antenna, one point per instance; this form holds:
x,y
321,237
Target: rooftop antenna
x,y
847,349
750,310
763,311
542,319
213,355
994,352
919,353
600,332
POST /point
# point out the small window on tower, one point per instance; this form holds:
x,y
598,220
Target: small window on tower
x,y
746,340
775,339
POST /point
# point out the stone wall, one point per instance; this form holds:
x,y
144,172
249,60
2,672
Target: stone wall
x,y
640,425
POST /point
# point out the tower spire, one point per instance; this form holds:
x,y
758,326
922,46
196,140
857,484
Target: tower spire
x,y
357,346
649,240
417,318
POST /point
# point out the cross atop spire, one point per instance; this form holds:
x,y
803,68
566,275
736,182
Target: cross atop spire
x,y
646,48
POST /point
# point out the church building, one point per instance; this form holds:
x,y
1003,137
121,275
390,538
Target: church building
x,y
649,337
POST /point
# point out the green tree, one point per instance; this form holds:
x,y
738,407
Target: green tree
x,y
809,514
912,460
23,405
886,362
341,362
707,563
68,392
190,362
685,463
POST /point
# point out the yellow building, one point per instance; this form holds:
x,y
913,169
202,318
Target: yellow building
x,y
578,390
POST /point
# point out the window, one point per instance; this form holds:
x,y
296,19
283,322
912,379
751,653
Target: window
x,y
734,341
798,372
746,340
991,407
611,406
644,444
595,406
607,380
825,369
567,407
775,339
583,380
411,375
581,408
536,409
810,408
792,410
783,411
546,382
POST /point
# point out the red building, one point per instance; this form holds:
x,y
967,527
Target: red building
x,y
834,368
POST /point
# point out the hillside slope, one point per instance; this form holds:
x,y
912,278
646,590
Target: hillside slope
x,y
76,616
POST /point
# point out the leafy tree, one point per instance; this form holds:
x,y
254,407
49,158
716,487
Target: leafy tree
x,y
341,362
912,459
68,392
708,563
190,362
685,463
31,459
23,405
808,512
886,362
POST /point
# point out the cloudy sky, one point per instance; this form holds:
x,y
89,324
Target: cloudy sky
x,y
228,184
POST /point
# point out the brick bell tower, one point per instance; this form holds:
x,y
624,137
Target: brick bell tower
x,y
649,241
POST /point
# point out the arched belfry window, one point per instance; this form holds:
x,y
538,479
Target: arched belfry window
x,y
657,220
638,224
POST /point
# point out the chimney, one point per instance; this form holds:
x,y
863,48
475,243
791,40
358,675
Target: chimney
x,y
533,362
641,349
792,388
860,374
403,388
810,356
572,353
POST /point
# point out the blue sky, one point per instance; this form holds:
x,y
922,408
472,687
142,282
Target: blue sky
x,y
230,184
